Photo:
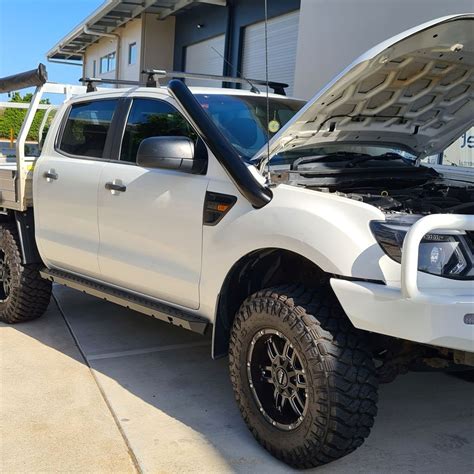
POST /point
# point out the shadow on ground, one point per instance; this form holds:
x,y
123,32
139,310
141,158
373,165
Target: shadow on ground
x,y
176,407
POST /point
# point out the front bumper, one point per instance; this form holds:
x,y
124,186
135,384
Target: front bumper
x,y
437,316
429,318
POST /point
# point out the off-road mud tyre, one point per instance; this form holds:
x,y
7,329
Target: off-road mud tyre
x,y
341,384
27,295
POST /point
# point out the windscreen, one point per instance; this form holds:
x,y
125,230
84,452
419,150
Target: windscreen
x,y
243,119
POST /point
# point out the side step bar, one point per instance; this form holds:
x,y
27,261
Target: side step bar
x,y
159,311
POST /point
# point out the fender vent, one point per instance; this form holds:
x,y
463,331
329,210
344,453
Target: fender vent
x,y
469,318
216,206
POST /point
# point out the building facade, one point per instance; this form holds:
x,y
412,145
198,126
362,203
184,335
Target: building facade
x,y
222,37
309,41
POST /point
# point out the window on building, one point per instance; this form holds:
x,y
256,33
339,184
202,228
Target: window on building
x,y
132,53
152,118
111,62
86,128
103,64
107,63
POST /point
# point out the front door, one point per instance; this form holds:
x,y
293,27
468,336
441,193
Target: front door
x,y
151,220
66,181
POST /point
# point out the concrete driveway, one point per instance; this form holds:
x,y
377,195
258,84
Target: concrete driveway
x,y
154,401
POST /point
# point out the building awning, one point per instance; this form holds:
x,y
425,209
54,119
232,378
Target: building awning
x,y
112,14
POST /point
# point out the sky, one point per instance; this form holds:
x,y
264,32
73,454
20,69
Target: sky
x,y
30,28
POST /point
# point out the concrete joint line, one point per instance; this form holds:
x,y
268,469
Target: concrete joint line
x,y
134,459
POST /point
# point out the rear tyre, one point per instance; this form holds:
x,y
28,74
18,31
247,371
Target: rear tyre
x,y
24,295
302,375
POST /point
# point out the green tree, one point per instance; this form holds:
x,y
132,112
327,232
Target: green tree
x,y
13,118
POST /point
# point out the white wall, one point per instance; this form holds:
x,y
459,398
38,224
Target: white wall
x,y
461,152
335,32
130,33
158,42
94,52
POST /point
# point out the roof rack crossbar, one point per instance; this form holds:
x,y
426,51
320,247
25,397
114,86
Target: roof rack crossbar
x,y
154,76
91,87
278,87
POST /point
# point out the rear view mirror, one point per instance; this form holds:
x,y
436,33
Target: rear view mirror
x,y
173,153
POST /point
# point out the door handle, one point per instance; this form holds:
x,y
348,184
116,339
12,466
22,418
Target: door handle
x,y
50,175
118,188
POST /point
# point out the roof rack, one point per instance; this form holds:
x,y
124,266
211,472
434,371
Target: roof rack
x,y
278,87
154,76
91,87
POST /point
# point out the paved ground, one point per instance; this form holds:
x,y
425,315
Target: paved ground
x,y
174,406
52,415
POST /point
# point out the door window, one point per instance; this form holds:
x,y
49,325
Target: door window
x,y
152,118
86,128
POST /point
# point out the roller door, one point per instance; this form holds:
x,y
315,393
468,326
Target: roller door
x,y
201,58
282,42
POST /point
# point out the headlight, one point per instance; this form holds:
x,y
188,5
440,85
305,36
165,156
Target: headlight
x,y
448,255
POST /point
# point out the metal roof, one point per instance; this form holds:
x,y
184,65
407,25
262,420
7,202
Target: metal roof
x,y
112,14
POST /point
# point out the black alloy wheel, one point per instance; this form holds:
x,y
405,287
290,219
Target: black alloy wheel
x,y
303,376
5,277
277,379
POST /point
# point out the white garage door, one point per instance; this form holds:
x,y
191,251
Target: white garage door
x,y
203,58
282,41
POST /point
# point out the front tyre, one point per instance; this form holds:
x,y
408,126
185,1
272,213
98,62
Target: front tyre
x,y
24,295
302,375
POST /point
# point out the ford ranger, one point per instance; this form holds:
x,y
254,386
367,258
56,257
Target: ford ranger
x,y
326,260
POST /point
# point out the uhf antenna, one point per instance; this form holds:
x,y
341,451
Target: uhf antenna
x,y
267,93
252,86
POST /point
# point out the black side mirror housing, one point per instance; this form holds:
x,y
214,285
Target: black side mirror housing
x,y
173,153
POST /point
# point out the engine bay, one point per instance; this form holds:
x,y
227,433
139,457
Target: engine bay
x,y
423,199
388,182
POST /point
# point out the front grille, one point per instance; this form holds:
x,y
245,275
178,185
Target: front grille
x,y
470,239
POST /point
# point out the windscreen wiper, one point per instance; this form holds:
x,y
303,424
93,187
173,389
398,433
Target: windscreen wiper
x,y
345,155
383,157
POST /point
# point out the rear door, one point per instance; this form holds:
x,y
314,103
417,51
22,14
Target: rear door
x,y
66,181
151,227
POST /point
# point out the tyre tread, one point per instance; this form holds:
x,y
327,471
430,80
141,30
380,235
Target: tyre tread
x,y
31,294
340,361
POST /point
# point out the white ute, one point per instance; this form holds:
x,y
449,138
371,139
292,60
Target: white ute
x,y
326,261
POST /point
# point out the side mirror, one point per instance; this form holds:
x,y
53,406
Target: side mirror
x,y
173,153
